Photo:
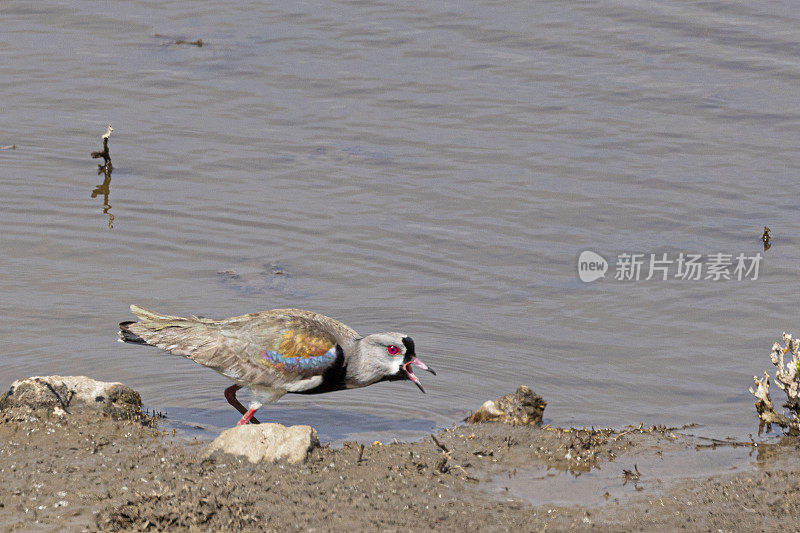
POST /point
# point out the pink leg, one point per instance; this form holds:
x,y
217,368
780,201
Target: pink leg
x,y
248,416
230,395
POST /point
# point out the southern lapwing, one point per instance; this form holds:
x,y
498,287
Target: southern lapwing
x,y
279,351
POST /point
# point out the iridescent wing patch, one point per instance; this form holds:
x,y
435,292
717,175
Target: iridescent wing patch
x,y
300,352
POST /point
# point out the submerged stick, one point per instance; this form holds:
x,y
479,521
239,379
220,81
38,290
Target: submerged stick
x,y
104,152
105,169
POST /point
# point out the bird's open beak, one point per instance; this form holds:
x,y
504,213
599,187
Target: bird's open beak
x,y
410,373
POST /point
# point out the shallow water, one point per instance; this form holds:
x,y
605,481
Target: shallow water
x,y
607,484
430,169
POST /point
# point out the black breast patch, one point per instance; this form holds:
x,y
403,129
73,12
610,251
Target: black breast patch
x,y
334,376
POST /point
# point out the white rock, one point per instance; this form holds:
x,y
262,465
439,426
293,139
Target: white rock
x,y
266,442
61,393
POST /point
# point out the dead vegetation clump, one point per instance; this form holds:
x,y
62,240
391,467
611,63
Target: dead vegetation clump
x,y
787,377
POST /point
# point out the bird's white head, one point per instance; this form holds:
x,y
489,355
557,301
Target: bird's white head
x,y
387,357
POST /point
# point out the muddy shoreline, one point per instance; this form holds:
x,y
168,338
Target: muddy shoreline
x,y
89,471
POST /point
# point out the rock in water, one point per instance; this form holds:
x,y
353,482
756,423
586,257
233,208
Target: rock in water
x,y
524,407
266,442
62,393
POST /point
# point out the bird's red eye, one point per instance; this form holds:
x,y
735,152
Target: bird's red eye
x,y
392,349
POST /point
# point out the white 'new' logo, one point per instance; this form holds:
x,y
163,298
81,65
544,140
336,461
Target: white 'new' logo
x,y
591,266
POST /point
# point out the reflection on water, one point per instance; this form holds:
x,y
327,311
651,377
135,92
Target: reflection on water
x,y
105,189
784,449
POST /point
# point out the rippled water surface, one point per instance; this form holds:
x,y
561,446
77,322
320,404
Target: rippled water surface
x,y
433,169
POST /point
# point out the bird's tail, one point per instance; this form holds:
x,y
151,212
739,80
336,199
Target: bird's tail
x,y
126,335
174,334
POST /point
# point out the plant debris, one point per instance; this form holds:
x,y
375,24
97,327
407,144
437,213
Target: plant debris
x,y
198,42
524,407
787,377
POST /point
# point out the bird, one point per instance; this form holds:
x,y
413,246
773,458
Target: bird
x,y
279,351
